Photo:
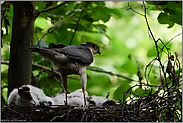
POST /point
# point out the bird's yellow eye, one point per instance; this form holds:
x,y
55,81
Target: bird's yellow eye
x,y
95,47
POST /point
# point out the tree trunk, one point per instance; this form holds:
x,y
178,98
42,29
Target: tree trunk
x,y
20,64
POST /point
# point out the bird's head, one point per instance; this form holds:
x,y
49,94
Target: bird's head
x,y
93,47
24,92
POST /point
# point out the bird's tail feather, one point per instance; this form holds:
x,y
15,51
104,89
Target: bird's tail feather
x,y
50,54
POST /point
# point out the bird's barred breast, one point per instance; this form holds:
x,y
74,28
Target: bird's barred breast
x,y
69,68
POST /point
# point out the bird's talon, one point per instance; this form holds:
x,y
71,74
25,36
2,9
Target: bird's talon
x,y
89,105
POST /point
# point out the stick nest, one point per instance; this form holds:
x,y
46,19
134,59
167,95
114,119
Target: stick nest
x,y
142,107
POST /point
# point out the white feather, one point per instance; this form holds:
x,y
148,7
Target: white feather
x,y
47,101
74,99
98,100
13,96
37,95
59,99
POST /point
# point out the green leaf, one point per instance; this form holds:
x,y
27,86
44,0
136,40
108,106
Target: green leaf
x,y
3,99
115,12
87,17
133,66
119,92
37,29
100,27
40,5
139,90
159,2
71,5
151,52
164,19
99,3
61,34
85,38
73,26
49,3
4,76
100,13
172,12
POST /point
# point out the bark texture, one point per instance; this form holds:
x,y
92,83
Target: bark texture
x,y
20,64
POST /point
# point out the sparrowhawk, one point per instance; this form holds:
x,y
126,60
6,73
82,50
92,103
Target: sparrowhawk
x,y
71,59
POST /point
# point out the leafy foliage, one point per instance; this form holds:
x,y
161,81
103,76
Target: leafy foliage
x,y
121,35
171,12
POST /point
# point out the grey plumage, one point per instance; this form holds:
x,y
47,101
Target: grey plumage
x,y
70,60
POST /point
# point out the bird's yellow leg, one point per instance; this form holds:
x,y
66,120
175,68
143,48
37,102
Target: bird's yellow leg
x,y
85,105
64,85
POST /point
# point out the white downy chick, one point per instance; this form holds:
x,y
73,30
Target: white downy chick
x,y
36,94
59,99
98,100
76,98
28,95
21,96
73,99
47,101
12,97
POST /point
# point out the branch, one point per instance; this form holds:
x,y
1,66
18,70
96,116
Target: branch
x,y
48,31
103,71
130,7
33,63
89,68
155,41
156,44
49,9
52,28
78,23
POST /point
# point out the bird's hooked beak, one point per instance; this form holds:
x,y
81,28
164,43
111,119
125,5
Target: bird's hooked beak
x,y
99,52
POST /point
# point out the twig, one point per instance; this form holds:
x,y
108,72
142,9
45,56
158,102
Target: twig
x,y
164,45
176,59
118,75
52,28
78,23
68,115
156,44
149,70
107,95
5,62
89,68
83,116
130,7
155,41
49,9
57,117
42,67
173,38
49,31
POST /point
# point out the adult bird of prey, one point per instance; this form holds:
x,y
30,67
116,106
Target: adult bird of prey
x,y
71,59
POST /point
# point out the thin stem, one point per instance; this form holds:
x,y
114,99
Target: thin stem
x,y
89,68
49,9
78,23
159,59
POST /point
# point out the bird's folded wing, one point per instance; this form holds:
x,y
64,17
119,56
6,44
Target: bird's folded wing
x,y
78,52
